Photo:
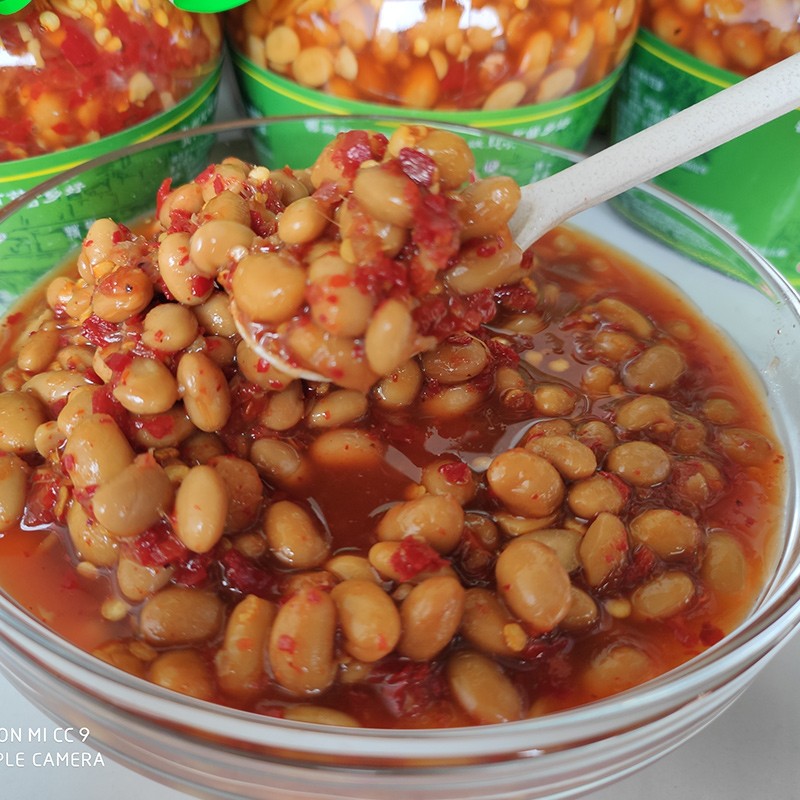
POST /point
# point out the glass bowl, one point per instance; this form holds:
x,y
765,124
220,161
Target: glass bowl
x,y
216,752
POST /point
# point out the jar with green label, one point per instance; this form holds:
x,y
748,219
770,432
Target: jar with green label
x,y
687,50
539,68
83,78
743,36
75,71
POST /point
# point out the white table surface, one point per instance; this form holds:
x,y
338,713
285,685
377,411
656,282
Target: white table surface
x,y
751,752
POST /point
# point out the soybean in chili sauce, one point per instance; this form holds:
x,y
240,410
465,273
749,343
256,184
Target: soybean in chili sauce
x,y
557,344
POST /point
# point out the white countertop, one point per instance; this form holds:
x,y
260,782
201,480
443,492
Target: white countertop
x,y
751,752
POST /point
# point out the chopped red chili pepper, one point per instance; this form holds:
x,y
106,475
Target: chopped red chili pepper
x,y
194,570
415,555
516,298
159,547
159,426
419,166
101,332
641,565
352,148
201,286
41,508
407,688
244,575
76,46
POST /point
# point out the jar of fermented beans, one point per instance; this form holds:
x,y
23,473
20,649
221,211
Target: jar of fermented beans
x,y
74,71
539,68
743,36
685,51
79,78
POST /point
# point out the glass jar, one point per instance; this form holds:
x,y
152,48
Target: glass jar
x,y
743,36
456,54
471,57
687,50
83,78
75,71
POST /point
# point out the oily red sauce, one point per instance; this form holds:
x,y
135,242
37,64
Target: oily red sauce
x,y
36,566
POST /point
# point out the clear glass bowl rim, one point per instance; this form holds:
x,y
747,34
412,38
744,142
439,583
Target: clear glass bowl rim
x,y
764,630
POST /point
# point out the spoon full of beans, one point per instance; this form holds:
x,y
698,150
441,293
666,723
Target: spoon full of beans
x,y
725,115
395,246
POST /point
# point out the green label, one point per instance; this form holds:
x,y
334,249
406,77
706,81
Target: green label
x,y
749,185
199,6
567,122
52,222
12,6
207,6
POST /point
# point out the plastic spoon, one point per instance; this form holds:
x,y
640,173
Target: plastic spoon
x,y
725,115
549,202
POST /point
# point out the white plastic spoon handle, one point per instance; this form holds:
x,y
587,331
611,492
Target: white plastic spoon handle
x,y
718,119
